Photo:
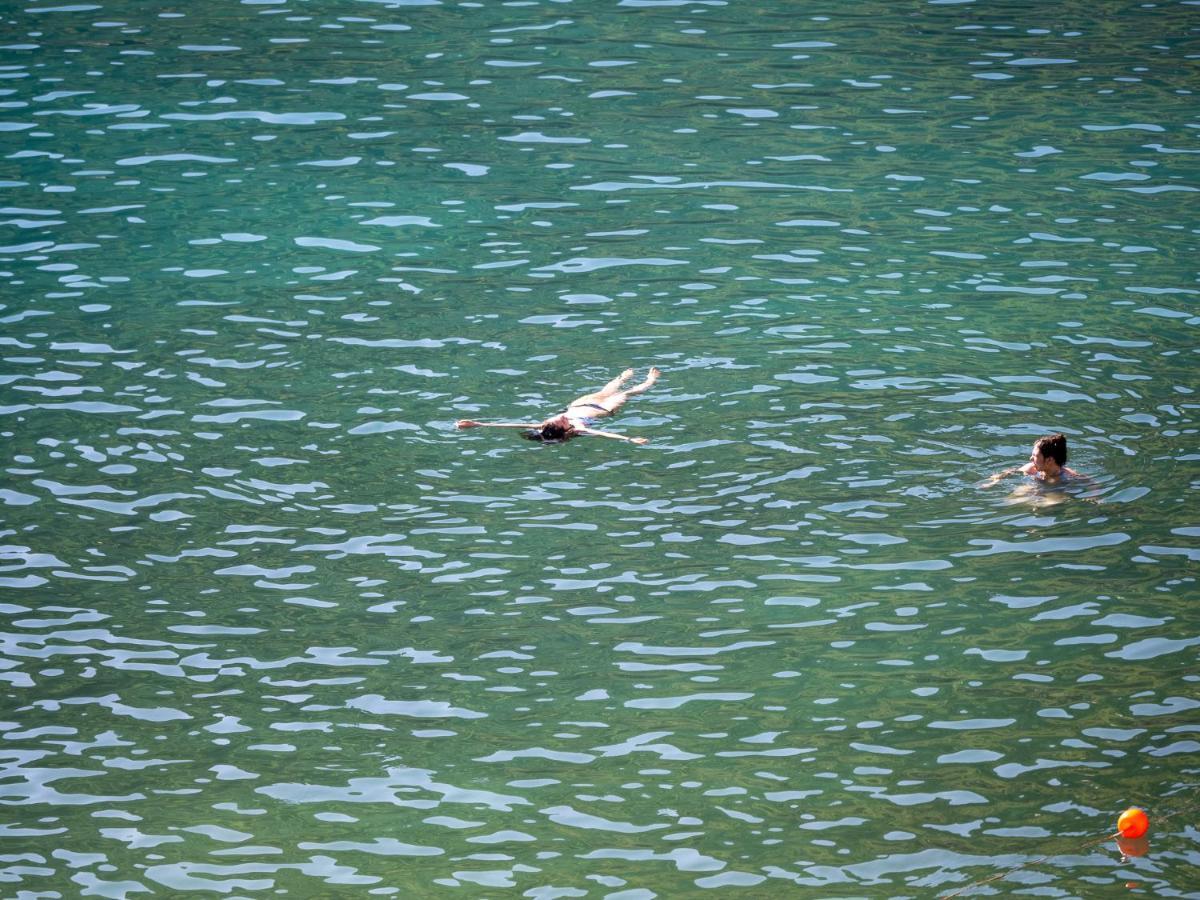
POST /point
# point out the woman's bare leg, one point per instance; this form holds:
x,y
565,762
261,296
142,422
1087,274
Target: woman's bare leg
x,y
615,385
651,377
605,395
614,401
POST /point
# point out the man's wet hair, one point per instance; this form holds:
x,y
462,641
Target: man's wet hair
x,y
1053,446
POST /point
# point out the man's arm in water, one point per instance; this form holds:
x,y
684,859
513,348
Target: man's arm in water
x,y
1026,469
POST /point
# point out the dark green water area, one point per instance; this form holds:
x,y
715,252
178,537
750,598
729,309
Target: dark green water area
x,y
271,625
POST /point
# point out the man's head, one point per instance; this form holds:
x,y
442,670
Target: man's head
x,y
1051,447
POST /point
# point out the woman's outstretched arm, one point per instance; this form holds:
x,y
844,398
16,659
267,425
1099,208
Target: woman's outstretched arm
x,y
596,432
471,423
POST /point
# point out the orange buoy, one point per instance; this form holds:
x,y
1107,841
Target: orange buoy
x,y
1133,823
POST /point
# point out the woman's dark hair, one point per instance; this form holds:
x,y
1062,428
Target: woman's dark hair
x,y
554,430
1053,446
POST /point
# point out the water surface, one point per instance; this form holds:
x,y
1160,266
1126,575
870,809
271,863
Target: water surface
x,y
271,625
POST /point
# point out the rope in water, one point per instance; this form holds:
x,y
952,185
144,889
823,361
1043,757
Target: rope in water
x,y
1033,862
1092,842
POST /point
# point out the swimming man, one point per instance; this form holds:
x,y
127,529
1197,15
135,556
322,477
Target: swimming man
x,y
1047,462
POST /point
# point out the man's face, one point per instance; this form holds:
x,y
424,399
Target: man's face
x,y
1038,460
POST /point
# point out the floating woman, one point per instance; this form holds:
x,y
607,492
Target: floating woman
x,y
580,414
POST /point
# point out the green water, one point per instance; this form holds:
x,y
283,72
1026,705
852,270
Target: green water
x,y
271,625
